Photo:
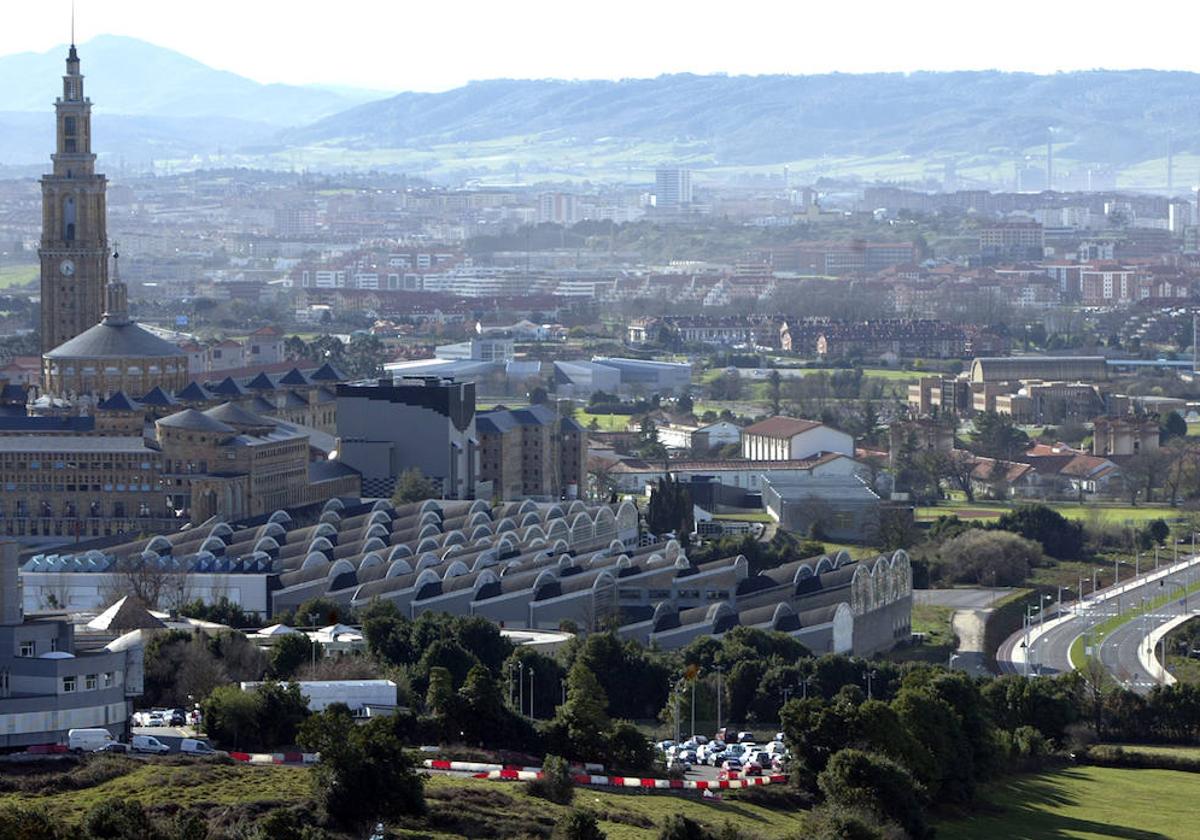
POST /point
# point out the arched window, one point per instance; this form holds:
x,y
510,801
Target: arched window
x,y
69,219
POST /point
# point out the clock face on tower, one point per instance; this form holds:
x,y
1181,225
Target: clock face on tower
x,y
67,268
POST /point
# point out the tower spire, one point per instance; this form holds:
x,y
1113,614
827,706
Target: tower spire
x,y
116,310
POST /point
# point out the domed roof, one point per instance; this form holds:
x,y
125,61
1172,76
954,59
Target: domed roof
x,y
195,421
114,341
235,415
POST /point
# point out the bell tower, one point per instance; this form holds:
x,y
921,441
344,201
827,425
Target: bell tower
x,y
74,251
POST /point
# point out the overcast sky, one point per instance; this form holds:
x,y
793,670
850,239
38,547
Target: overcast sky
x,y
440,44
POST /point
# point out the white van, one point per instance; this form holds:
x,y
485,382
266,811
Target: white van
x,y
192,746
87,740
148,744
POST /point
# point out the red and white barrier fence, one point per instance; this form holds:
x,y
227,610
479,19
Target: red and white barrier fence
x,y
481,767
638,782
275,758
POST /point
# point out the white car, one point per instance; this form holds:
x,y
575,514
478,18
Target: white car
x,y
148,744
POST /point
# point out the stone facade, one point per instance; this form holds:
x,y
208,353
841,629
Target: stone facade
x,y
531,453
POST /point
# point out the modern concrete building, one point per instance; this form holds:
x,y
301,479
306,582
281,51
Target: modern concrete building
x,y
672,187
49,684
649,377
426,422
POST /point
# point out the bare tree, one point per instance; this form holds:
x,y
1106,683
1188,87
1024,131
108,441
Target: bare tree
x,y
150,582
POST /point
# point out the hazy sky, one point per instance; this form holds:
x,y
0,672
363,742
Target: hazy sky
x,y
439,44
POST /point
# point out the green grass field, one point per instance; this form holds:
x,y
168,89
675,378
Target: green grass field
x,y
17,275
1099,803
1109,514
606,422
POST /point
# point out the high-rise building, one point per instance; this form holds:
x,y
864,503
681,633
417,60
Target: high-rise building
x,y
672,187
74,251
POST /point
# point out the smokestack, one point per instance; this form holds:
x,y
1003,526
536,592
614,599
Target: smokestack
x,y
1050,159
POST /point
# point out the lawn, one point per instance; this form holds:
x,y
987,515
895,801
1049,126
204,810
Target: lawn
x,y
18,275
933,622
606,422
1086,802
1110,514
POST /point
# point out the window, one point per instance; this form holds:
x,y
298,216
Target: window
x,y
4,689
89,682
69,684
54,643
108,679
27,648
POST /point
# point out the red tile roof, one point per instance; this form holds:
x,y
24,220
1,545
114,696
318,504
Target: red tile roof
x,y
780,427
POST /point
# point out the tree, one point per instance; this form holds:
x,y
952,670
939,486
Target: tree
x,y
20,823
483,715
997,437
584,717
364,774
854,779
684,404
989,558
321,611
578,825
538,395
556,784
774,391
288,653
365,356
440,694
413,486
119,819
679,827
1060,537
670,509
1173,426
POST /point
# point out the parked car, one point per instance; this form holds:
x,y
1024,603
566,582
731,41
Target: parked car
x,y
176,717
194,746
678,764
746,738
149,744
731,764
752,768
87,740
113,747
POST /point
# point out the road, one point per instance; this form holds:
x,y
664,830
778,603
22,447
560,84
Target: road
x,y
960,599
1049,645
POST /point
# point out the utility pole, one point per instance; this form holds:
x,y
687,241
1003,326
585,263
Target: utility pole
x,y
719,669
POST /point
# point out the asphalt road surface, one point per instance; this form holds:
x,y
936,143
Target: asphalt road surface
x,y
959,599
1049,652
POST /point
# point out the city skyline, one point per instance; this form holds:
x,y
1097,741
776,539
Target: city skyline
x,y
539,40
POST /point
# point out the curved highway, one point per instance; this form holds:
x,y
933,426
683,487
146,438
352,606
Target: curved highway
x,y
1044,648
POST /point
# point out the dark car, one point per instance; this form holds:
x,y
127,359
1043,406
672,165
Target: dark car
x,y
113,747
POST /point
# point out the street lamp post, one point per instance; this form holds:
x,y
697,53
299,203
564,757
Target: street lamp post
x,y
870,678
805,683
719,669
520,688
953,657
531,717
693,709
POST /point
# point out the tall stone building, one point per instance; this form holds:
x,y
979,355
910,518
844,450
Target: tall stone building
x,y
74,251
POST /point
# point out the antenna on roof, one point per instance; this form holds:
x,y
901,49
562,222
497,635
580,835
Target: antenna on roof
x,y
72,23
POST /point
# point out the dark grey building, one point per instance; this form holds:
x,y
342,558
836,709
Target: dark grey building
x,y
424,422
843,508
47,684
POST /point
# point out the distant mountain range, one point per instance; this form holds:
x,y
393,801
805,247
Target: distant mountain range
x,y
155,103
